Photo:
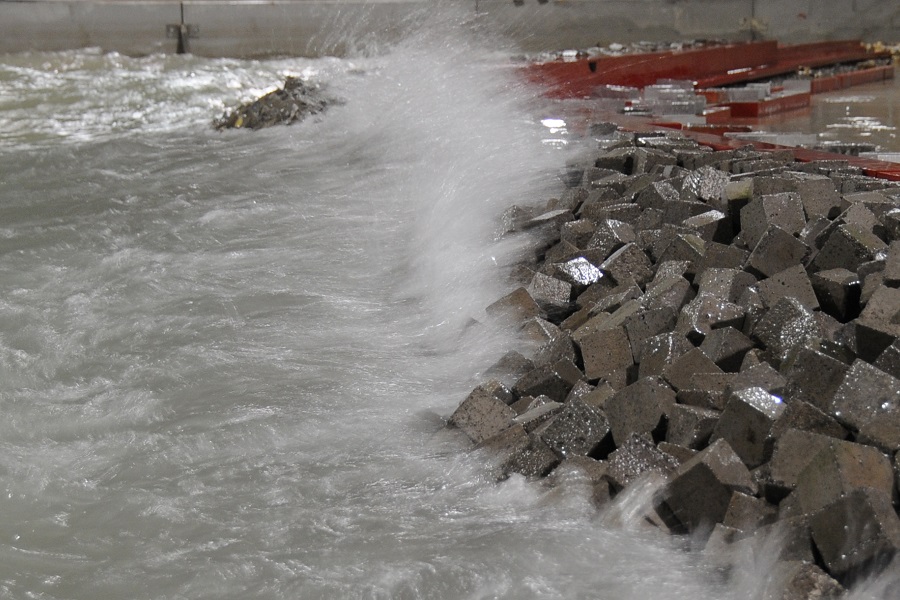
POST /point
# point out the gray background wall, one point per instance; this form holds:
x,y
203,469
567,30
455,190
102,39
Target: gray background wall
x,y
314,27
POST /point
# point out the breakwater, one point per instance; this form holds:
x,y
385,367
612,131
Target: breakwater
x,y
723,325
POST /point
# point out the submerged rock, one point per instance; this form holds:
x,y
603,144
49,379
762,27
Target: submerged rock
x,y
295,101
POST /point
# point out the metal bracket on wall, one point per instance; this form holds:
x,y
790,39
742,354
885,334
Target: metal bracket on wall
x,y
182,32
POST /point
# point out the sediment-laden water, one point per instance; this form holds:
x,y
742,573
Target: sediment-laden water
x,y
224,357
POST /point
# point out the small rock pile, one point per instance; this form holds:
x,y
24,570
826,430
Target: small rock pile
x,y
296,100
727,320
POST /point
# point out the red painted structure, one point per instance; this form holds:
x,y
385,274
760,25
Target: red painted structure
x,y
710,66
721,65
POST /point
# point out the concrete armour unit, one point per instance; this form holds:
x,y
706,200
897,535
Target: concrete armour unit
x,y
482,415
857,533
698,495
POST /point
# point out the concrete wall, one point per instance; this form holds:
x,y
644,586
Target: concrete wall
x,y
314,27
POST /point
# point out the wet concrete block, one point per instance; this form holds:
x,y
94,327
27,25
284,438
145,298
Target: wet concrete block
x,y
559,252
753,308
699,492
635,457
679,453
690,426
883,432
482,415
540,330
657,195
552,219
577,430
802,415
768,185
798,580
814,377
604,178
656,243
705,313
684,247
595,292
726,346
747,513
784,211
514,218
670,269
580,390
711,226
706,183
618,159
552,295
736,195
648,323
857,534
533,459
877,202
679,372
871,273
605,351
593,206
762,375
578,272
877,325
788,539
637,183
669,292
776,250
722,256
639,408
793,282
787,325
891,223
579,468
838,292
554,381
603,320
869,399
625,212
678,211
838,469
817,192
746,424
557,348
570,199
794,450
815,227
650,219
646,158
578,232
725,284
627,290
847,246
660,351
707,390
599,395
891,274
533,417
628,261
510,367
889,360
518,306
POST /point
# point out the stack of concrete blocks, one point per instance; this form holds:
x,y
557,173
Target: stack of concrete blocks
x,y
728,321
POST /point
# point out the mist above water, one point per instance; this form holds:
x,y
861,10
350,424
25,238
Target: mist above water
x,y
225,357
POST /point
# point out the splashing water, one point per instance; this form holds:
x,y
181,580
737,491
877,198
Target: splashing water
x,y
224,356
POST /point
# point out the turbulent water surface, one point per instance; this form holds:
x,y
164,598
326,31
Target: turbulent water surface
x,y
224,357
